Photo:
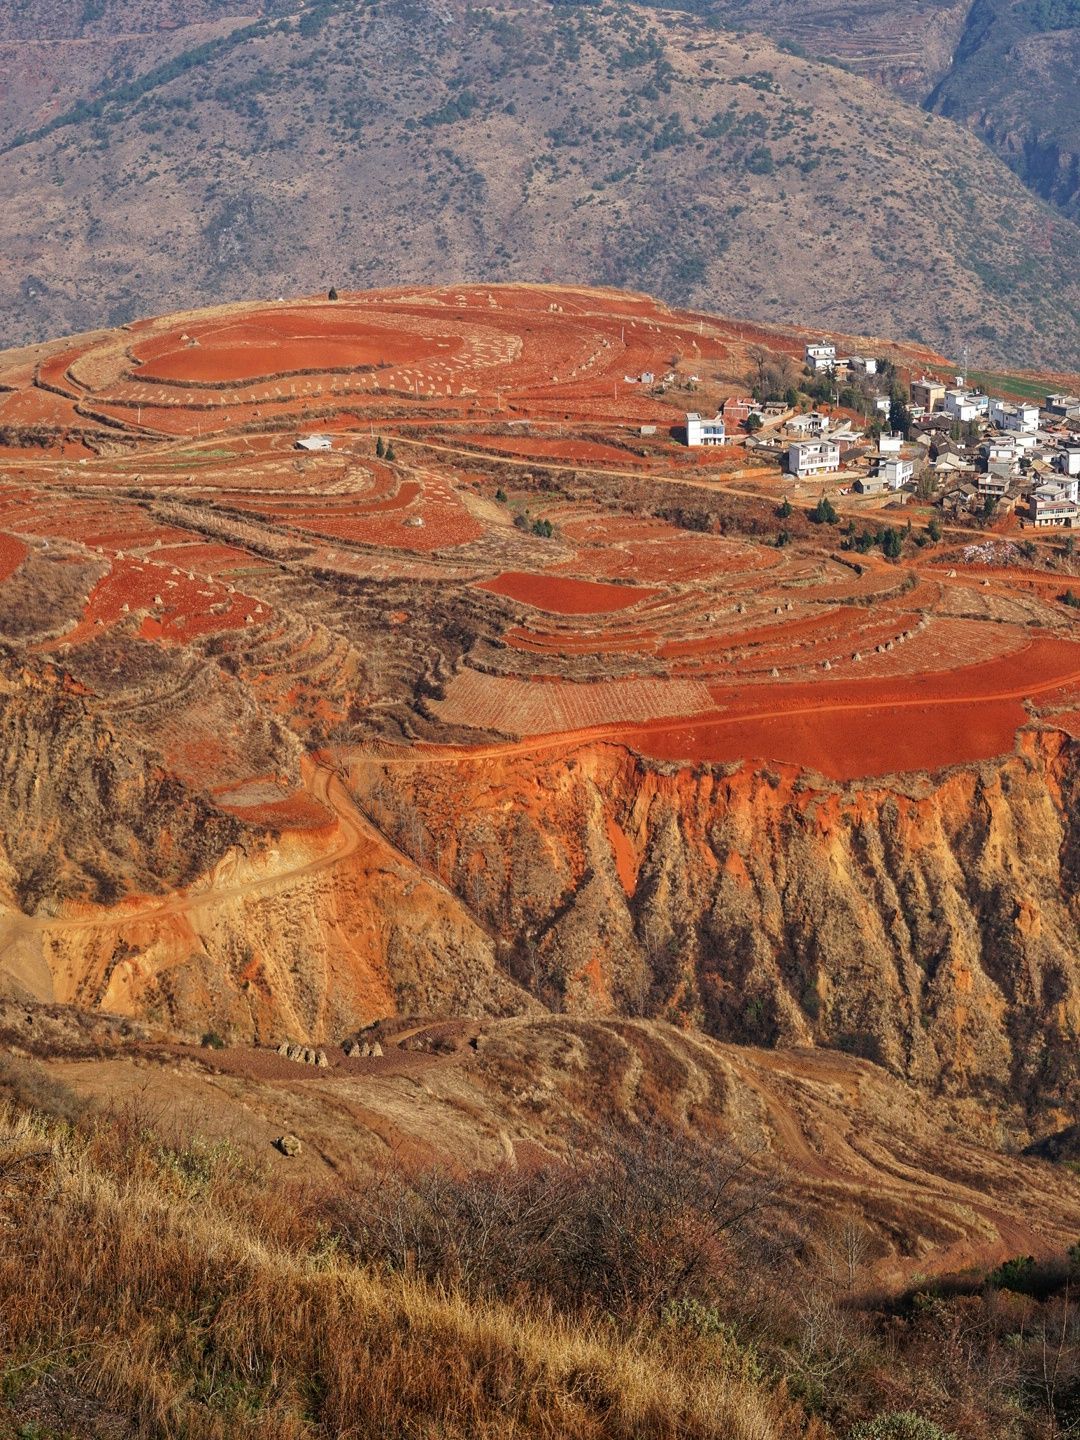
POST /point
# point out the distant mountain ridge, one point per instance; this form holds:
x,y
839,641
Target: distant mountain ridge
x,y
254,151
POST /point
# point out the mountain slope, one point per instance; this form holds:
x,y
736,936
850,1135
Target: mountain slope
x,y
408,142
1013,82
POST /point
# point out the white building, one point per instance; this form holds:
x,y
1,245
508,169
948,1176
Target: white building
x,y
704,432
1022,419
812,457
863,364
1001,452
1068,460
965,406
895,471
812,423
314,442
1066,406
821,357
891,444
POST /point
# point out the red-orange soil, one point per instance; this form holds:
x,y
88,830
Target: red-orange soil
x,y
201,517
563,596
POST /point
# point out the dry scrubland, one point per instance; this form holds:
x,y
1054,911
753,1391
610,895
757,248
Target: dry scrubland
x,y
651,1281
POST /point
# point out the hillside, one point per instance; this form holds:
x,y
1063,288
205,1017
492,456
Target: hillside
x,y
255,154
1004,70
498,702
1012,81
602,1229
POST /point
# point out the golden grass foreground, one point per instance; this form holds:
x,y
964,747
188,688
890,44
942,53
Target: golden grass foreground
x,y
173,1285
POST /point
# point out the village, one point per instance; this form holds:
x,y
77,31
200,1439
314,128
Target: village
x,y
850,423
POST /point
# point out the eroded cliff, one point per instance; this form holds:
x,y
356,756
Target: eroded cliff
x,y
928,923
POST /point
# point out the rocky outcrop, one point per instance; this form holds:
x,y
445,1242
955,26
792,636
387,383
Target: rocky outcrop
x,y
929,924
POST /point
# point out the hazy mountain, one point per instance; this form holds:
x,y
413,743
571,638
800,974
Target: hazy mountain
x,y
358,145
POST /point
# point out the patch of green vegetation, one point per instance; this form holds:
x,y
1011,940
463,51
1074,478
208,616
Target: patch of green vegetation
x,y
1010,386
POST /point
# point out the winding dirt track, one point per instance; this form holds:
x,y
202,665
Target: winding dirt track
x,y
861,1164
324,784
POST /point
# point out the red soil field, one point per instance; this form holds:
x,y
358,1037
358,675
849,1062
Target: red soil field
x,y
12,553
856,729
35,407
845,746
563,596
211,362
188,608
573,451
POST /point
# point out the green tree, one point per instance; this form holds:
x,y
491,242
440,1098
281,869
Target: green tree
x,y
899,414
784,509
933,529
380,448
754,423
892,544
390,455
824,512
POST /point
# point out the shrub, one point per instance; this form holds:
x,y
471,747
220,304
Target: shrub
x,y
892,544
900,1425
1015,1274
647,1229
28,1085
212,1041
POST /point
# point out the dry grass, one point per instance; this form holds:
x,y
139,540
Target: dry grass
x,y
172,1285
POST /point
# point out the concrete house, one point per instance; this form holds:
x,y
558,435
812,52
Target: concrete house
x,y
871,485
821,357
1067,407
813,423
1021,419
965,406
928,393
895,471
704,432
1068,460
813,457
1050,505
314,442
